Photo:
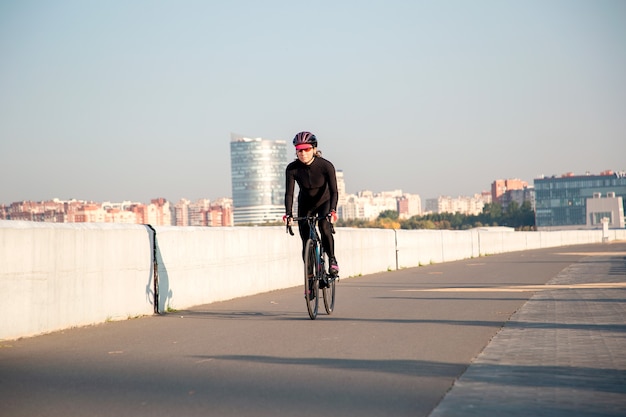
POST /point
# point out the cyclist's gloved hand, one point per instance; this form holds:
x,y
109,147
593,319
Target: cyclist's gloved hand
x,y
288,219
332,217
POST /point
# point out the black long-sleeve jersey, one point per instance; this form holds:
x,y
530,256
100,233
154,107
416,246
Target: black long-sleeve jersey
x,y
317,182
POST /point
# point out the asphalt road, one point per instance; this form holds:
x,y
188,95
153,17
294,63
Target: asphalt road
x,y
392,347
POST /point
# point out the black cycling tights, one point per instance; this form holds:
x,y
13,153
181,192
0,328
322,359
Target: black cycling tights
x,y
328,240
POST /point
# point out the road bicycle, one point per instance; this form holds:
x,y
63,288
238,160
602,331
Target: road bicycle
x,y
315,275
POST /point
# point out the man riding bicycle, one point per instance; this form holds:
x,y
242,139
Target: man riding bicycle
x,y
318,194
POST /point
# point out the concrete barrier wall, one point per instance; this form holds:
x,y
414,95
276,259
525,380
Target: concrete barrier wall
x,y
56,276
364,251
201,265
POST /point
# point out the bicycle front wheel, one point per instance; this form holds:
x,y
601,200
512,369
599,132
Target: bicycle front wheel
x,y
311,278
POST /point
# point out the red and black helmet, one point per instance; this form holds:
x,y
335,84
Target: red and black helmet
x,y
305,138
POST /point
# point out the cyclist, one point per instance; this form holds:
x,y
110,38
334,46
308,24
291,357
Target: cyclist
x,y
318,193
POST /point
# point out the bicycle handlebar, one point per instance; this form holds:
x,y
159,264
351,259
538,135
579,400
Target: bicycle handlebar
x,y
299,219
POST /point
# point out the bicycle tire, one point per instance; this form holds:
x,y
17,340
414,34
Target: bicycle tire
x,y
329,295
311,278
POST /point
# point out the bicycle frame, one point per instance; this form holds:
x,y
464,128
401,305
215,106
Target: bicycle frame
x,y
313,234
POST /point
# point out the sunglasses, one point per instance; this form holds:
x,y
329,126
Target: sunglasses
x,y
304,150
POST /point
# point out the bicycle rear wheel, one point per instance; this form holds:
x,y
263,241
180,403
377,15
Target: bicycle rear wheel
x,y
329,295
311,278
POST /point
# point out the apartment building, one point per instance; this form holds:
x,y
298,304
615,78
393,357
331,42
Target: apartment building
x,y
158,213
367,205
470,205
580,201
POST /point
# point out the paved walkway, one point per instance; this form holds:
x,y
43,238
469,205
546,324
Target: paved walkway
x,y
533,333
562,354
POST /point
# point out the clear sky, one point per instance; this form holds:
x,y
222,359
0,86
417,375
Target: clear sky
x,y
136,99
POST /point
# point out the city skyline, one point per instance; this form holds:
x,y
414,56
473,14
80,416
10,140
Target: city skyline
x,y
133,100
566,201
365,205
486,189
570,201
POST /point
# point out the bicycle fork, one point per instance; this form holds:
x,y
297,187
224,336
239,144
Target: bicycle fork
x,y
320,264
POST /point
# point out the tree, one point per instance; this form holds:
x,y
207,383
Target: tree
x,y
527,215
492,213
520,217
388,223
511,217
417,222
388,214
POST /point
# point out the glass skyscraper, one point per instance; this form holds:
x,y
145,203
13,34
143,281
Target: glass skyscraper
x,y
258,179
561,202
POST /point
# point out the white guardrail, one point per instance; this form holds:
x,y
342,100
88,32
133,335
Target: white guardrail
x,y
57,276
